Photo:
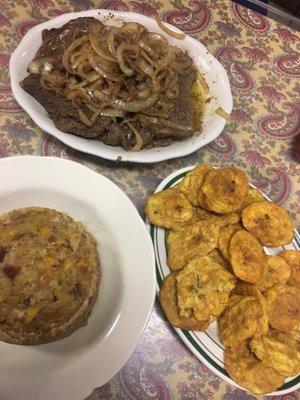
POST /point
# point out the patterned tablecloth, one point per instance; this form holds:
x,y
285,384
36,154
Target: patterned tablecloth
x,y
263,63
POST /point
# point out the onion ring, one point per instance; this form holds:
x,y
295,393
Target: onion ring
x,y
163,27
135,106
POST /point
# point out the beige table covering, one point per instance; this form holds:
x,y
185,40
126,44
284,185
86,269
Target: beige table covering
x,y
263,63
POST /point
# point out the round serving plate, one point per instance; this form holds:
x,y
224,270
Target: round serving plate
x,y
71,368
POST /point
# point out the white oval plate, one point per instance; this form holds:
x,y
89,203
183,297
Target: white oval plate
x,y
206,346
214,72
71,368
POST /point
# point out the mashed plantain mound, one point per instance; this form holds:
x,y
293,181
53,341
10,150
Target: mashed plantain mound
x,y
49,275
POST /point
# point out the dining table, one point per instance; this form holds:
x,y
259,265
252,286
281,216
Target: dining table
x,y
262,60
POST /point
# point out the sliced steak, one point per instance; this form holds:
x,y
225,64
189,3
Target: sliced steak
x,y
57,40
72,125
55,105
182,113
158,143
61,111
113,136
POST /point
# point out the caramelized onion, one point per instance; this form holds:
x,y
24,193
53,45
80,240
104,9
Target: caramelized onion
x,y
148,58
74,45
109,112
135,106
111,40
222,113
202,82
182,67
132,29
122,73
164,28
94,39
146,68
102,69
84,118
146,47
138,138
120,57
41,65
143,94
97,94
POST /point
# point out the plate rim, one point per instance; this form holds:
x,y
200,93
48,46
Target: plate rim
x,y
185,335
120,361
124,156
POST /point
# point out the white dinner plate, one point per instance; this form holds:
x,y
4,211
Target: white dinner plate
x,y
206,346
213,71
71,368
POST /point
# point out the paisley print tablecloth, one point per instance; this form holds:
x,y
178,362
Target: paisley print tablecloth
x,y
263,63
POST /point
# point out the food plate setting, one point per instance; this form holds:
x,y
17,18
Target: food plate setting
x,y
212,71
207,345
79,272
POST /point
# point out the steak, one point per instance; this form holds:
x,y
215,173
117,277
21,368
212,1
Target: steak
x,y
155,132
182,113
64,115
57,40
113,136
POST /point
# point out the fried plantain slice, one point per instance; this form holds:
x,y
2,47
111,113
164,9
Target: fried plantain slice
x,y
191,241
253,196
206,216
221,220
276,271
292,257
248,289
169,209
246,256
202,199
244,317
295,333
215,254
225,189
249,372
168,301
279,351
269,223
203,287
198,216
283,307
206,275
228,219
210,305
191,183
226,234
203,215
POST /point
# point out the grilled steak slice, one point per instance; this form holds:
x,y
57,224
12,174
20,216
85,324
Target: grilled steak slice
x,y
57,40
113,136
64,115
182,113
